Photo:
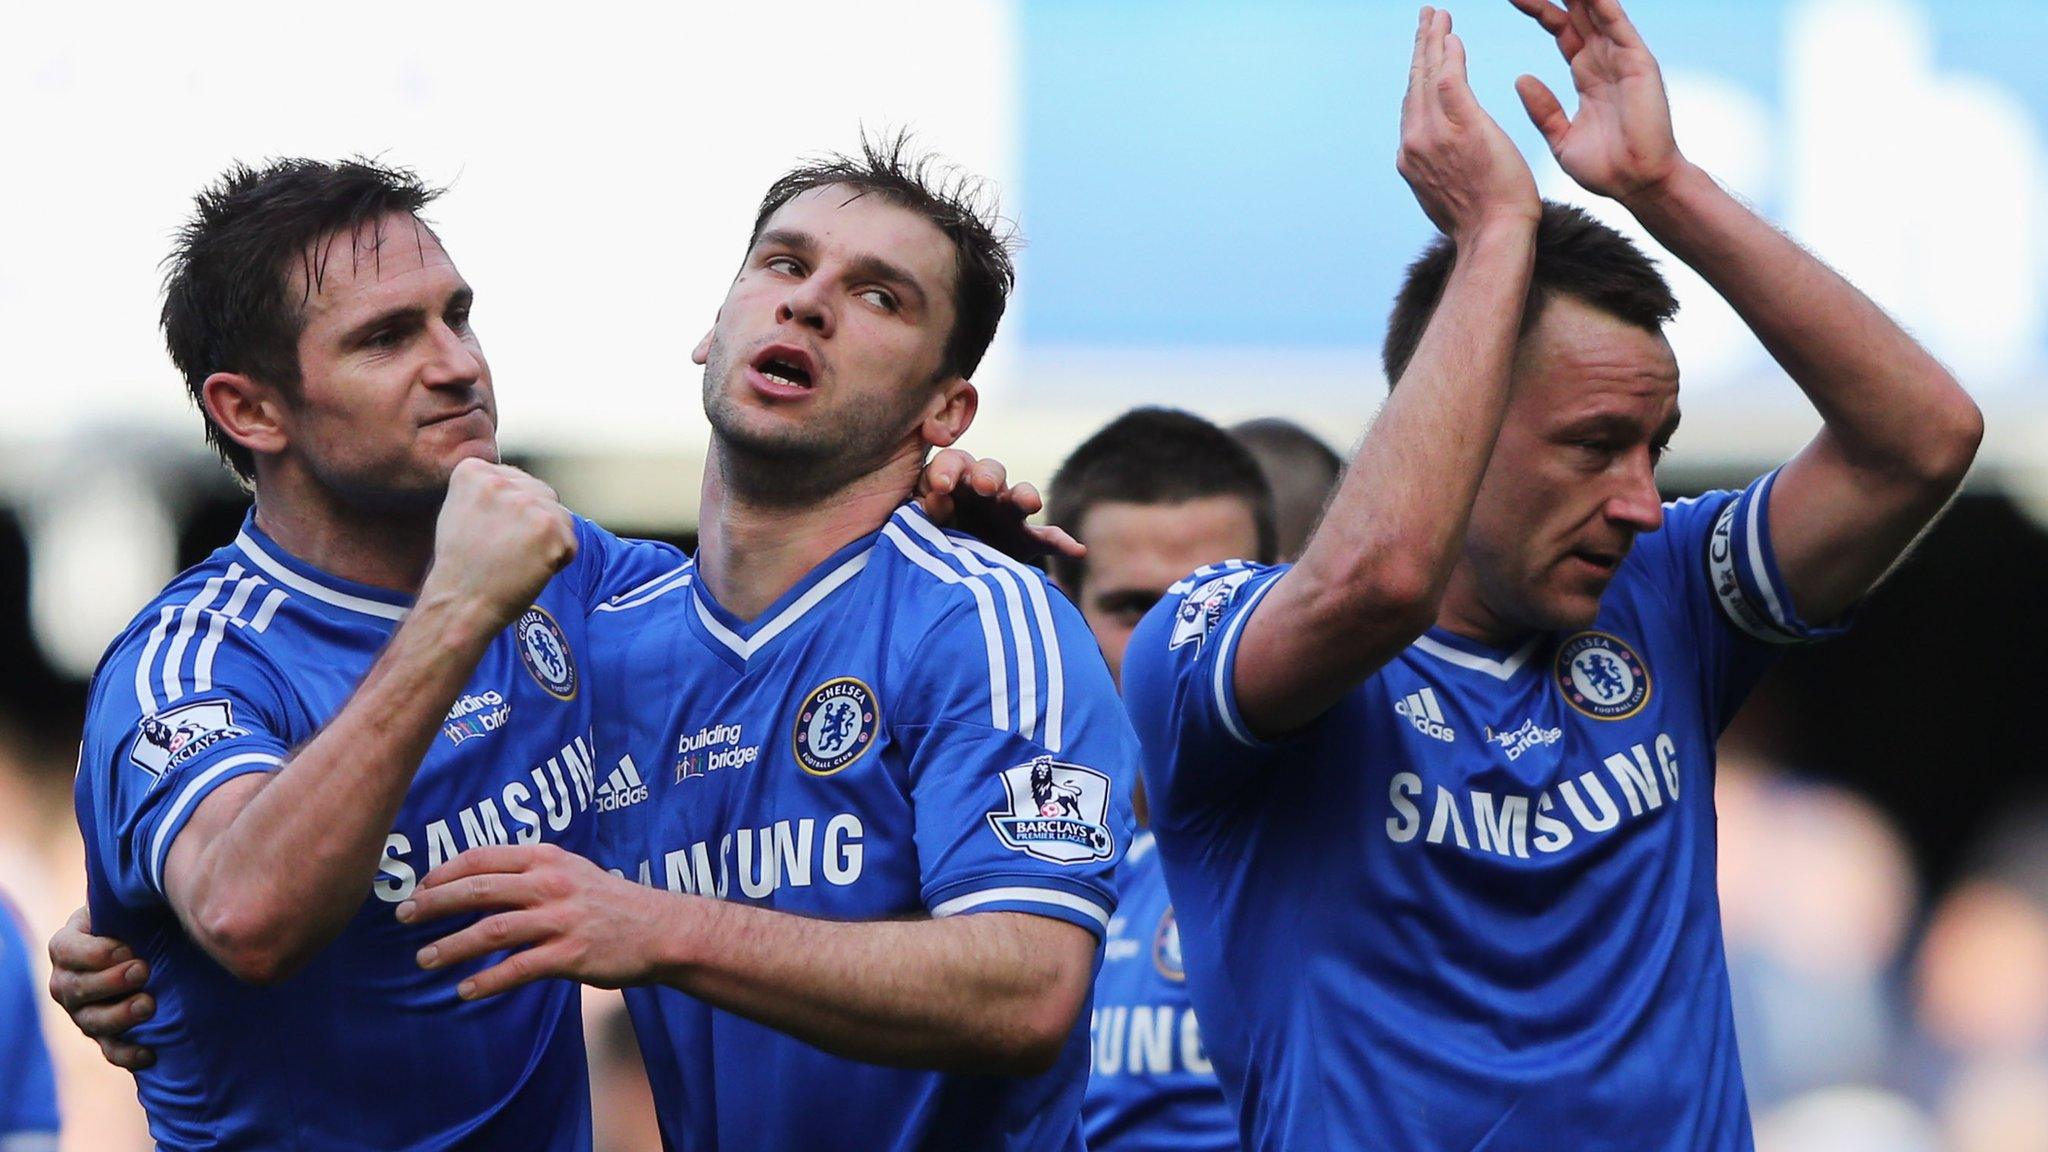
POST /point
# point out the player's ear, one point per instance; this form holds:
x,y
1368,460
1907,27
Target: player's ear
x,y
952,411
247,411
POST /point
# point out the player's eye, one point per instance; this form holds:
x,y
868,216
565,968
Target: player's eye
x,y
879,297
787,265
458,318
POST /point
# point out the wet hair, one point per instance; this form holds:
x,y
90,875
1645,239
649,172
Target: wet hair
x,y
1155,456
1576,256
959,204
231,302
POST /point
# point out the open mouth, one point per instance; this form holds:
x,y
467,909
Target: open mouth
x,y
785,365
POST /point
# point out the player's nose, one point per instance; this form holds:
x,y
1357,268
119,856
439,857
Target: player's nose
x,y
452,361
1636,504
808,304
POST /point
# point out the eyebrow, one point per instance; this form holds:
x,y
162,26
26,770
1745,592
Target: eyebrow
x,y
865,266
409,314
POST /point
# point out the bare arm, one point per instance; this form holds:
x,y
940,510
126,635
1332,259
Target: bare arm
x,y
271,867
1899,432
1373,574
996,992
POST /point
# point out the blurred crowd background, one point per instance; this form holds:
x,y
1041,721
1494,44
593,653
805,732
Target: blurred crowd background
x,y
1212,221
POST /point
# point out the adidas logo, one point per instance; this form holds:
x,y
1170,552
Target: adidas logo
x,y
1421,710
622,787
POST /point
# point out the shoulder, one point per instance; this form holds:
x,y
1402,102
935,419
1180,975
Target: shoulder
x,y
221,616
952,580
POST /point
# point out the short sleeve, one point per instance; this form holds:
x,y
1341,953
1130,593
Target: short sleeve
x,y
1180,685
1715,552
28,1091
1021,759
615,570
181,706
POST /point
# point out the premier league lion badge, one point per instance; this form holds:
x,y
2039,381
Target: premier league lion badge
x,y
545,650
1602,676
1202,609
1057,812
834,725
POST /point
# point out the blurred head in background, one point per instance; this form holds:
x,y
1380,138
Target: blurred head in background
x,y
871,288
1156,494
1300,469
325,335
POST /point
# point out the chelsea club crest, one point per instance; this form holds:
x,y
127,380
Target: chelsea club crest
x,y
834,725
1602,676
545,651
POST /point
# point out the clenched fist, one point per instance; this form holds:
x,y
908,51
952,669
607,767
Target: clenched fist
x,y
501,537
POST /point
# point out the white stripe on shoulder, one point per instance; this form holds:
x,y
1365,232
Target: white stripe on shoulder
x,y
1185,586
1055,897
230,613
991,632
188,625
649,592
1048,636
1013,601
1222,685
297,583
144,694
157,843
1498,669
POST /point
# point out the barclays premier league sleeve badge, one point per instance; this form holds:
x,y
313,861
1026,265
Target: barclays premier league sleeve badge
x,y
1057,812
1202,609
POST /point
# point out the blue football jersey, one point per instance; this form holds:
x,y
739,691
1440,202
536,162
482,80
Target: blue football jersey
x,y
1473,905
237,663
28,1088
921,727
1151,1087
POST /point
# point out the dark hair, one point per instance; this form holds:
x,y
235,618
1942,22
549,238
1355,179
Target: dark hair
x,y
1301,470
229,301
959,204
1156,456
1576,256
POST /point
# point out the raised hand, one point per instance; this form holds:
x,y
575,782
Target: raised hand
x,y
502,535
1620,143
1464,170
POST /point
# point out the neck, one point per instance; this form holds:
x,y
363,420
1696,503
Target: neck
x,y
1463,612
753,547
383,548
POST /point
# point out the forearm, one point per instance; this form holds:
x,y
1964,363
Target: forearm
x,y
1373,575
287,870
1891,410
990,993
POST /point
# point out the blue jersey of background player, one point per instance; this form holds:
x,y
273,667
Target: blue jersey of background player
x,y
1152,494
1436,802
1151,1084
897,757
28,1092
917,728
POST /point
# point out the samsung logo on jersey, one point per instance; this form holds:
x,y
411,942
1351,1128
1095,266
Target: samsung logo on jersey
x,y
1146,1040
1500,825
786,854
